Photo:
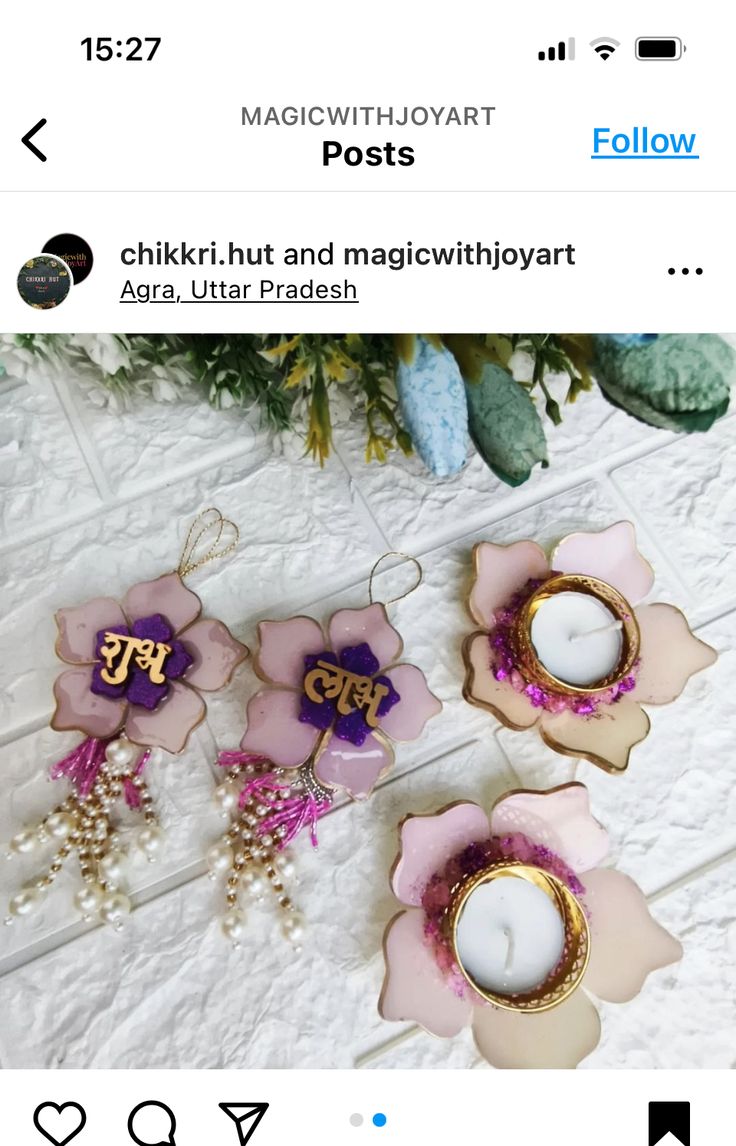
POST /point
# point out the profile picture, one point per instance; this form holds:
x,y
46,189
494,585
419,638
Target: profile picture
x,y
44,282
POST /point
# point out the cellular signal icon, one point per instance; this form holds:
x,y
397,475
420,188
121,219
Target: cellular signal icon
x,y
563,51
605,46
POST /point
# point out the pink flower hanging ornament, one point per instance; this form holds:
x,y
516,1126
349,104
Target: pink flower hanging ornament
x,y
512,927
566,647
334,702
139,673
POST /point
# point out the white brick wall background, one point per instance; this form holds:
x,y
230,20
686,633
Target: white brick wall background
x,y
92,502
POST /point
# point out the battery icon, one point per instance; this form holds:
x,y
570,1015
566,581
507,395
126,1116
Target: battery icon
x,y
659,48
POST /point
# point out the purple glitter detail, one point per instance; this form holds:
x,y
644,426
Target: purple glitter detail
x,y
141,691
360,660
504,666
154,628
438,893
351,726
138,689
178,661
319,715
390,699
311,660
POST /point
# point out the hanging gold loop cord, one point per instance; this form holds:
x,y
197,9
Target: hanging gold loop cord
x,y
199,549
406,557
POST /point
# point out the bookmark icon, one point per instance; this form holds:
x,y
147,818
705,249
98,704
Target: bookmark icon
x,y
669,1121
246,1116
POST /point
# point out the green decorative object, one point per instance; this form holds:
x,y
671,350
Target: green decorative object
x,y
411,392
504,424
679,382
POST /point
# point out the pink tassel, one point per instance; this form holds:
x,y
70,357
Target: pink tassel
x,y
232,759
295,815
131,793
82,765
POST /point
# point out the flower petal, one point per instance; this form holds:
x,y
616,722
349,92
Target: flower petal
x,y
417,705
481,687
546,1040
78,628
216,654
559,819
605,739
78,708
428,842
354,626
275,731
611,556
283,647
169,725
670,654
168,596
500,571
625,942
354,768
414,988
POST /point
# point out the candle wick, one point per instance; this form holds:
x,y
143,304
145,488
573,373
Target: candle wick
x,y
509,949
594,632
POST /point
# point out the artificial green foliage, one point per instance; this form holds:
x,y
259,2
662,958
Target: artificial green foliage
x,y
303,383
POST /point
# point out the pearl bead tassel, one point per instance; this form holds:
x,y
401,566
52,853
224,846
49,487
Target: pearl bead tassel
x,y
82,824
248,857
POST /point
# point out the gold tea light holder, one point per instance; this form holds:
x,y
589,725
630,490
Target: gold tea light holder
x,y
532,668
591,706
567,975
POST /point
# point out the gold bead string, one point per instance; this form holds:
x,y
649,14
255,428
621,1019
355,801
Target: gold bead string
x,y
199,549
83,825
251,858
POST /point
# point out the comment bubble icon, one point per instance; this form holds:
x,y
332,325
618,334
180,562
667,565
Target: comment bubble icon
x,y
152,1124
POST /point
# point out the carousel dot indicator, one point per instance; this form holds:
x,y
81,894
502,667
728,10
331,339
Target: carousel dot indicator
x,y
356,1119
379,1119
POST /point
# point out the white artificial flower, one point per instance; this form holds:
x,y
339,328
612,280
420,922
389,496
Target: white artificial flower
x,y
108,351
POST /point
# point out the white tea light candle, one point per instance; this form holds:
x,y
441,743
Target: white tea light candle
x,y
509,936
577,638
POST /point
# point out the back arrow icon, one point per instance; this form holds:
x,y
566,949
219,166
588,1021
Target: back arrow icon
x,y
29,136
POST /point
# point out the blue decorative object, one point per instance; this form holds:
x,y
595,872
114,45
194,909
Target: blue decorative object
x,y
630,339
434,408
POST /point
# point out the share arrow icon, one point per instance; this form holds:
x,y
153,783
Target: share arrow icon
x,y
246,1116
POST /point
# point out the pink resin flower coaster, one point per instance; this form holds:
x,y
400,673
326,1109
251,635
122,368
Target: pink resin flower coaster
x,y
512,927
334,703
140,671
565,647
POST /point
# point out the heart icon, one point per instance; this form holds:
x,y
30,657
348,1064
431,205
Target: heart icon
x,y
62,1122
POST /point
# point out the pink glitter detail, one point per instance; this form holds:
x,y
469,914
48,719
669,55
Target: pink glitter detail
x,y
82,765
503,665
473,858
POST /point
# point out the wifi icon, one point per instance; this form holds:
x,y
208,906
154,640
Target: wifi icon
x,y
605,46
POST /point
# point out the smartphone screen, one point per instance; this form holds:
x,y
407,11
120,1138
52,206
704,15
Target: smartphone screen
x,y
366,675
